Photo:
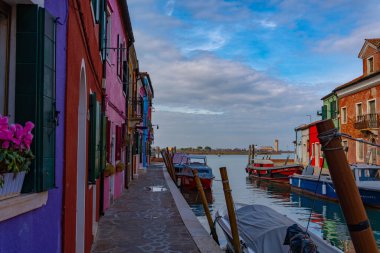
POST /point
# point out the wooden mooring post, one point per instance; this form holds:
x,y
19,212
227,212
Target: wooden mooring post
x,y
205,206
249,154
346,189
230,209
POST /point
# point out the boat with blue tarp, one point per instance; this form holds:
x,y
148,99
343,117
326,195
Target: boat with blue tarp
x,y
367,178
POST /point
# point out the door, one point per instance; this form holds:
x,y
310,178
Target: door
x,y
317,154
81,164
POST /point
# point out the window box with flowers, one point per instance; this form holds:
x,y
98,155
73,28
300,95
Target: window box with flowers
x,y
15,156
109,170
120,167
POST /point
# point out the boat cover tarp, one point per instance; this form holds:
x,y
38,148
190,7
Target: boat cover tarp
x,y
180,158
264,230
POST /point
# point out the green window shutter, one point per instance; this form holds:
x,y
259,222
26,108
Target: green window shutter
x,y
35,91
103,142
324,112
94,140
333,109
95,8
102,29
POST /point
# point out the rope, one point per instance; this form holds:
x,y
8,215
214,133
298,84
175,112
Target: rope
x,y
333,133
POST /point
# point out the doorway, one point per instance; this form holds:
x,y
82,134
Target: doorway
x,y
81,162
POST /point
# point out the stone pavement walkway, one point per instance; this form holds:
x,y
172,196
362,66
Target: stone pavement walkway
x,y
144,221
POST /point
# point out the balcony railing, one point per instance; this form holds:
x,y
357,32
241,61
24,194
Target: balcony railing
x,y
136,115
367,121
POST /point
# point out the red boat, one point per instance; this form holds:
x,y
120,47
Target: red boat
x,y
265,169
185,174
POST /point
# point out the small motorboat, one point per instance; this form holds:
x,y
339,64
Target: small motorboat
x,y
180,160
367,178
262,230
185,176
266,169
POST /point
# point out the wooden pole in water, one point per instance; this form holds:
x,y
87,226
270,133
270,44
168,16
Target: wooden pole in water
x,y
230,209
205,205
346,189
249,154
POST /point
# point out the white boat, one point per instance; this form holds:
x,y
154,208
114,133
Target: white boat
x,y
263,230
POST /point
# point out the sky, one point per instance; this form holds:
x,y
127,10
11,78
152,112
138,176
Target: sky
x,y
227,74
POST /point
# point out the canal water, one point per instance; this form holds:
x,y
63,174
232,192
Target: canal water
x,y
327,219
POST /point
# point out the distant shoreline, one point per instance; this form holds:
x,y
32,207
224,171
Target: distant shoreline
x,y
230,152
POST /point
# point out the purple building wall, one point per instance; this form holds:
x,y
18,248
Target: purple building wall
x,y
41,229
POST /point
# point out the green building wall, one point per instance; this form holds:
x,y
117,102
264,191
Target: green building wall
x,y
330,109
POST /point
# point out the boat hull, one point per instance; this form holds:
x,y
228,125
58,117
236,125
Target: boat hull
x,y
188,183
275,174
325,189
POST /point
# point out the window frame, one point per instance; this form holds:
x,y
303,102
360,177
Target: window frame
x,y
356,110
368,107
358,144
344,146
370,63
344,115
6,10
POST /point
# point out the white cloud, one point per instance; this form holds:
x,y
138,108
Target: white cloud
x,y
187,110
170,7
268,24
206,40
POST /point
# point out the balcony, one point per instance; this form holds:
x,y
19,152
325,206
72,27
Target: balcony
x,y
136,109
367,121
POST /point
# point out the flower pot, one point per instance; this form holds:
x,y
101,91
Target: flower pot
x,y
12,184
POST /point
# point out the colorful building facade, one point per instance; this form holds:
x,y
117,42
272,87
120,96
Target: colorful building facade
x,y
33,84
119,39
84,121
71,68
330,108
359,106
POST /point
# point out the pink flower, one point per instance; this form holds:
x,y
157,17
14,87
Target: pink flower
x,y
28,127
28,138
3,122
5,135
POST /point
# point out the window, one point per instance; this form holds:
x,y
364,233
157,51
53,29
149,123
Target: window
x,y
119,64
312,150
324,112
95,6
371,109
370,65
108,37
359,111
333,109
5,22
35,92
345,147
344,115
359,151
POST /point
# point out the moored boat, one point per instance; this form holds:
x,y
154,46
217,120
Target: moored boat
x,y
266,169
367,178
262,229
185,174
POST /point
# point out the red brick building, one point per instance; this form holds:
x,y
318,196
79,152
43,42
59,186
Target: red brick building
x,y
359,105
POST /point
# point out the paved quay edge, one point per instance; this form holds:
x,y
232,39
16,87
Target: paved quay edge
x,y
201,237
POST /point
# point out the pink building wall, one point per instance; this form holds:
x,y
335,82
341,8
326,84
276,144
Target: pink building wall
x,y
114,86
119,179
106,194
115,97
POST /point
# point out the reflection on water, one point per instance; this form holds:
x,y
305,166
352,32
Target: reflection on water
x,y
326,220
